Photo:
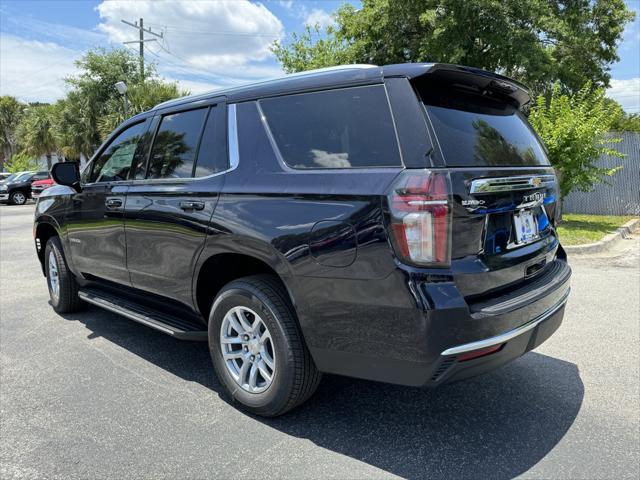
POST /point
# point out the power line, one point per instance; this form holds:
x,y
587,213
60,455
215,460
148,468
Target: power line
x,y
141,41
175,28
234,34
173,54
184,66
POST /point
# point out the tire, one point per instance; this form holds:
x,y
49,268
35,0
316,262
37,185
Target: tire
x,y
66,299
294,377
18,198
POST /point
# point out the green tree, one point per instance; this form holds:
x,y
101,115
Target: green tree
x,y
74,128
91,93
93,106
78,124
11,111
575,129
21,162
141,98
538,42
623,121
626,122
314,48
101,69
35,132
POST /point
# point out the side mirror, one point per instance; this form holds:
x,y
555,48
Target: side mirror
x,y
67,173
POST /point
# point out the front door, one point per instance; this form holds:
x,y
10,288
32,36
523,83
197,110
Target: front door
x,y
95,218
167,214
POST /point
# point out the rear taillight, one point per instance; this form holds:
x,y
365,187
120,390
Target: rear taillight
x,y
420,217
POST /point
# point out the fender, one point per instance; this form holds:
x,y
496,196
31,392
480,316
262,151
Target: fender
x,y
238,244
40,246
51,210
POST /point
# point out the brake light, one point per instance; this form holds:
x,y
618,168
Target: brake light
x,y
420,216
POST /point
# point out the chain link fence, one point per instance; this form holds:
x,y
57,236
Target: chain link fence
x,y
621,196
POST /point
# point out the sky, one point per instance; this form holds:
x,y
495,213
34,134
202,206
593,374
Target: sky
x,y
205,45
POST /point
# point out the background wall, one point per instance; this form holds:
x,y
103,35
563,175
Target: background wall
x,y
622,195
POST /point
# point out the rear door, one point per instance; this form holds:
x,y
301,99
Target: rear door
x,y
95,216
170,204
504,189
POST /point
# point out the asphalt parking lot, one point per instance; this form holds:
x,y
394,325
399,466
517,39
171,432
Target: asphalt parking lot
x,y
94,395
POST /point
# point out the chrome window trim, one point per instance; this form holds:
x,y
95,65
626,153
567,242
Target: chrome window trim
x,y
505,337
232,137
233,152
506,184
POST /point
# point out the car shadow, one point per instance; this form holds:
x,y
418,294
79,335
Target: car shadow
x,y
498,425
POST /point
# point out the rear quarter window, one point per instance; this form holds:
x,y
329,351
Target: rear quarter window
x,y
343,128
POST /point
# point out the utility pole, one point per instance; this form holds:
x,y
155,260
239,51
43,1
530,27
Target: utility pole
x,y
141,30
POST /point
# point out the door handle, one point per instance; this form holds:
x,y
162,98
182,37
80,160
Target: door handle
x,y
113,202
190,205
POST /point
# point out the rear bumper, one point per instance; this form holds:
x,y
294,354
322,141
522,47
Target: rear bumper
x,y
506,336
429,343
510,345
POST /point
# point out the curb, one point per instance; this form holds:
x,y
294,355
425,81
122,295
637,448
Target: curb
x,y
609,241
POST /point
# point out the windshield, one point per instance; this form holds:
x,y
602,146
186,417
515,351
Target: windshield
x,y
10,178
22,177
478,131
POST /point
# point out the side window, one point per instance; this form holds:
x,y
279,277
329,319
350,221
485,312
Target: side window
x,y
85,173
115,161
212,156
344,128
139,167
175,145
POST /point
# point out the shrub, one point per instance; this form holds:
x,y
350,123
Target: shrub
x,y
574,130
20,162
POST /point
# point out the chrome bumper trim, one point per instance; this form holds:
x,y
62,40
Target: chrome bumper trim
x,y
505,337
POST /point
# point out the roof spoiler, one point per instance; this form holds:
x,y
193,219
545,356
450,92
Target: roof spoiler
x,y
467,77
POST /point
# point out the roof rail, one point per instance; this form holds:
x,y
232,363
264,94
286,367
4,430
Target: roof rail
x,y
306,73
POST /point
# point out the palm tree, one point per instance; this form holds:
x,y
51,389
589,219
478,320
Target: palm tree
x,y
11,111
36,132
74,127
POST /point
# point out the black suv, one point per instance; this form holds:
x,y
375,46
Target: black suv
x,y
390,223
16,190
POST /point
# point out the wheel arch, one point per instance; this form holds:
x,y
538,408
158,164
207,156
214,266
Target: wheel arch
x,y
43,230
233,259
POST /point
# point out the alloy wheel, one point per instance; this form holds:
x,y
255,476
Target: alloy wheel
x,y
247,349
54,279
19,198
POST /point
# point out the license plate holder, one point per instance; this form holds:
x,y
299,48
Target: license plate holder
x,y
526,226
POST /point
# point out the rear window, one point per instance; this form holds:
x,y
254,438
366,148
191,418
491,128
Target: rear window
x,y
345,128
478,131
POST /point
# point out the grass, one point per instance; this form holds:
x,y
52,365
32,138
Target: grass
x,y
578,229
